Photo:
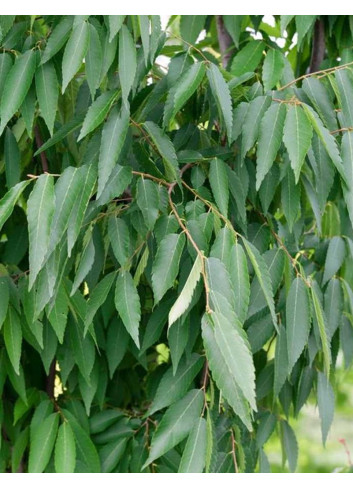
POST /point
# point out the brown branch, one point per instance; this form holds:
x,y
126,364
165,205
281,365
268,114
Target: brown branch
x,y
50,380
318,46
233,452
224,40
39,143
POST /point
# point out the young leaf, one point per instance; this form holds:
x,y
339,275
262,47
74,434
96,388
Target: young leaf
x,y
94,60
75,51
297,137
166,265
65,450
185,296
127,303
218,178
270,139
127,61
42,443
176,424
297,320
191,26
194,455
17,84
40,210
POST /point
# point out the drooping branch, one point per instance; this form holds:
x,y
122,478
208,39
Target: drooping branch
x,y
224,40
318,46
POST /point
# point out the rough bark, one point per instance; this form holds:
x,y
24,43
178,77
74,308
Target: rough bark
x,y
224,40
318,46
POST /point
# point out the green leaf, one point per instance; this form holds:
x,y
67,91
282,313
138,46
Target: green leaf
x,y
86,178
297,137
290,445
116,344
191,26
83,347
297,320
248,58
12,159
326,402
127,303
194,455
320,99
94,60
176,424
17,84
119,236
75,51
7,203
221,93
251,126
13,338
218,178
233,25
266,427
18,449
166,265
264,278
57,38
345,85
303,24
237,355
5,66
321,321
327,140
65,450
290,194
113,138
335,256
148,201
165,148
98,297
184,300
97,112
86,261
272,68
42,443
270,139
222,374
111,453
239,276
40,210
174,386
86,451
47,89
180,93
333,305
115,22
57,315
281,361
61,133
127,61
5,296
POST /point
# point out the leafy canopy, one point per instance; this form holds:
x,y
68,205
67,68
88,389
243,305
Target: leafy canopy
x,y
176,243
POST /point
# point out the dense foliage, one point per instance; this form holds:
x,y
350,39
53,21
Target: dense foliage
x,y
176,244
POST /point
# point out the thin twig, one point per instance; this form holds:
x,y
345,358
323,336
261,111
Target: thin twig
x,y
233,452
